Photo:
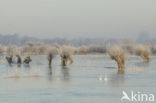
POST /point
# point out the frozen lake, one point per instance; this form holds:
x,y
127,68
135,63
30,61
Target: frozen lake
x,y
90,79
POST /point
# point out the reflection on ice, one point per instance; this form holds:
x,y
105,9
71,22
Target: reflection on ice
x,y
50,71
16,73
65,73
118,79
94,80
121,71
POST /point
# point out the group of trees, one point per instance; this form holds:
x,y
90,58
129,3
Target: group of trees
x,y
31,48
15,43
116,52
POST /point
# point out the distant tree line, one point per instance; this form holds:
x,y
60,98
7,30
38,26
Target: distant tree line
x,y
15,39
31,45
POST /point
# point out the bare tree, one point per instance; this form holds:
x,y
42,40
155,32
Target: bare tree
x,y
51,52
117,53
66,54
144,52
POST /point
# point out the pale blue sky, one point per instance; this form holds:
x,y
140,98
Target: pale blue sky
x,y
78,18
